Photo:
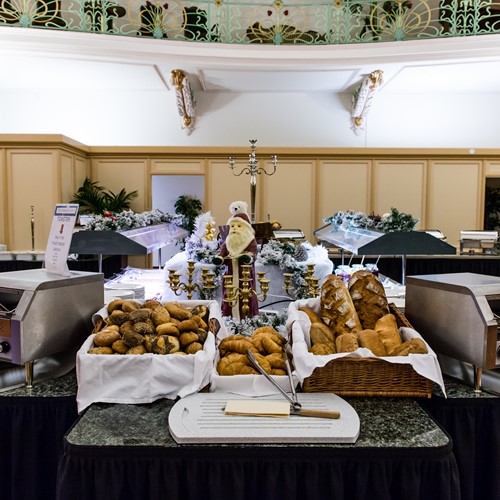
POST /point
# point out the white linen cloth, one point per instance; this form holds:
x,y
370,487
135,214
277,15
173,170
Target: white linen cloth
x,y
298,325
132,379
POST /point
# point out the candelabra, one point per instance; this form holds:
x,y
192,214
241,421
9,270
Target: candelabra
x,y
246,291
311,287
252,169
207,281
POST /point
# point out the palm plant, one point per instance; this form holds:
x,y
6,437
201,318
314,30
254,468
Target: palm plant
x,y
95,199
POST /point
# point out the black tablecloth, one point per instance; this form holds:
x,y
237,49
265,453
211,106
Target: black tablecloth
x,y
474,426
256,473
31,440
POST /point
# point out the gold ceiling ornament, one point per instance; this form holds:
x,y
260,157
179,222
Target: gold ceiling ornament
x,y
362,100
185,99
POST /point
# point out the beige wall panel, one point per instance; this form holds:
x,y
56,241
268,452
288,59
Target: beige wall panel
x,y
67,177
121,173
399,184
342,185
82,170
178,167
454,196
222,188
288,195
3,199
492,168
32,181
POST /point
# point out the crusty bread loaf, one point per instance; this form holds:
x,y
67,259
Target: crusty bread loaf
x,y
368,296
313,316
387,329
336,307
371,340
321,334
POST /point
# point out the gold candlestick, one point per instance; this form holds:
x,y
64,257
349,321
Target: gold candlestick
x,y
243,293
174,281
309,290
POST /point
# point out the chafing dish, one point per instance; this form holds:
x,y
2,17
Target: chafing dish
x,y
458,315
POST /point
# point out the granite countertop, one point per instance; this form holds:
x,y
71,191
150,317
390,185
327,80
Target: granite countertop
x,y
385,422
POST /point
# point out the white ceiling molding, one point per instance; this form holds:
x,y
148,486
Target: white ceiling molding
x,y
185,100
362,100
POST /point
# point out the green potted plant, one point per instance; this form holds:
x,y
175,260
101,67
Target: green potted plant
x,y
95,199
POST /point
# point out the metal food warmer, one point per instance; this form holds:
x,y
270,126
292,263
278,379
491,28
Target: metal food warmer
x,y
458,315
361,241
42,315
473,241
139,241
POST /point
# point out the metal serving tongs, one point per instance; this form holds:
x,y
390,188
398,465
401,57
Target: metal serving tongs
x,y
295,406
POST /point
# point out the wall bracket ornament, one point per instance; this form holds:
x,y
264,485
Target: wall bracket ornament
x,y
362,100
185,100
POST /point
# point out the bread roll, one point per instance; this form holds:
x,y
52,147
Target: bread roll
x,y
388,332
336,307
347,342
371,340
412,346
322,349
368,296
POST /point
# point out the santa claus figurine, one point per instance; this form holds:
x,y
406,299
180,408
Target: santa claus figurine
x,y
239,248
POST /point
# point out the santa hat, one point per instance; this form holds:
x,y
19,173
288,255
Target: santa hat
x,y
244,218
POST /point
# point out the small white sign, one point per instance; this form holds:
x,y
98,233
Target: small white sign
x,y
61,233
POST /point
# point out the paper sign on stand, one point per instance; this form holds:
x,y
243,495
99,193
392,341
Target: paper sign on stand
x,y
61,233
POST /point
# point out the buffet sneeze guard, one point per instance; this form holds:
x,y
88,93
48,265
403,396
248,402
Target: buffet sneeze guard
x,y
361,241
43,314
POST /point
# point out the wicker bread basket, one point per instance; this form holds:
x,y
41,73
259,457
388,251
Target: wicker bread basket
x,y
369,376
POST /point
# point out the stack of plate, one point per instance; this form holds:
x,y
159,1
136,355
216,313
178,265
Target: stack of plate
x,y
137,290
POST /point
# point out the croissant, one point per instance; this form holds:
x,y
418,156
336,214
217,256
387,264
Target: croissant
x,y
236,343
276,360
235,364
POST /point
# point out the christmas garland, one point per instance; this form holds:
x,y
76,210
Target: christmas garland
x,y
248,325
393,221
128,219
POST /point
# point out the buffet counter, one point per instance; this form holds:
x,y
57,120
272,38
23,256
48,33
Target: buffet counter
x,y
126,451
119,451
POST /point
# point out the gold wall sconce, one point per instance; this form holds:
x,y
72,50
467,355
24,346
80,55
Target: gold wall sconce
x,y
362,100
185,100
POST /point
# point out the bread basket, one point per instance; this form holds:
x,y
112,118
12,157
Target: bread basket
x,y
354,376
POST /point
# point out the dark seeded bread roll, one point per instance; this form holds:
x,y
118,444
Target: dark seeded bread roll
x,y
368,296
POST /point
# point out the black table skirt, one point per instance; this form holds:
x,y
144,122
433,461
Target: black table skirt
x,y
257,473
474,426
31,441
